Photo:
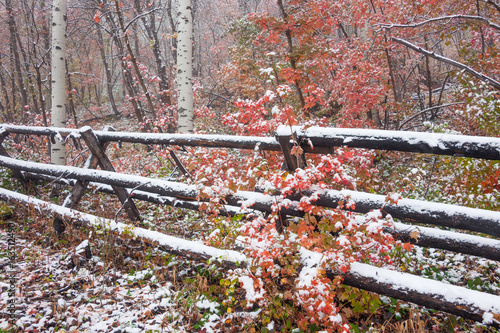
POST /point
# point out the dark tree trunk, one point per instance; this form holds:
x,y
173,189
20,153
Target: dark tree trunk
x,y
7,112
161,68
134,61
109,77
15,52
70,96
41,97
128,80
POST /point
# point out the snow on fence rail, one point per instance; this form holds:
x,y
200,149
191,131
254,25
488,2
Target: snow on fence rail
x,y
455,300
178,194
445,215
416,142
317,140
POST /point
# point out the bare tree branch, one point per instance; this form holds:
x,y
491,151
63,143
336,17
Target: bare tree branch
x,y
492,82
427,110
141,15
494,4
437,19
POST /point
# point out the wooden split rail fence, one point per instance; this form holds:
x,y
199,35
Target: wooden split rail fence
x,y
456,300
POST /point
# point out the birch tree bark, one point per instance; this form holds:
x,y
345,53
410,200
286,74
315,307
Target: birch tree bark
x,y
58,117
185,66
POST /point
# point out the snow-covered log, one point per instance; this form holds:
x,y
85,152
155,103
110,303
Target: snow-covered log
x,y
173,202
257,201
453,216
317,140
456,300
191,249
470,304
411,210
190,140
19,175
417,142
423,236
138,195
447,240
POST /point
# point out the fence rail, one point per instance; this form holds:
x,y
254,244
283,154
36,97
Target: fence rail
x,y
313,140
429,237
316,140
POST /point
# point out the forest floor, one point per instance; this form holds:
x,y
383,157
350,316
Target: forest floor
x,y
124,286
116,286
83,281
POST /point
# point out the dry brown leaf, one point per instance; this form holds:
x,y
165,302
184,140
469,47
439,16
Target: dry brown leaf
x,y
414,234
347,312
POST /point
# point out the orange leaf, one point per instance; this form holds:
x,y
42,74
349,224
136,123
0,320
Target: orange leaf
x,y
97,19
407,246
297,151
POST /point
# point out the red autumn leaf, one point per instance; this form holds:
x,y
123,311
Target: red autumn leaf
x,y
97,18
407,246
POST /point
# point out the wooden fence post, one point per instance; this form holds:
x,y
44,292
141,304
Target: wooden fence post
x,y
97,150
294,155
294,159
179,164
74,197
80,186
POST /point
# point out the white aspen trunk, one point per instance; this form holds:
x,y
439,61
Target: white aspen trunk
x,y
58,118
185,66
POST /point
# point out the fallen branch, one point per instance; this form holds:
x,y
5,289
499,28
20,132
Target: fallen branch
x,y
404,122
